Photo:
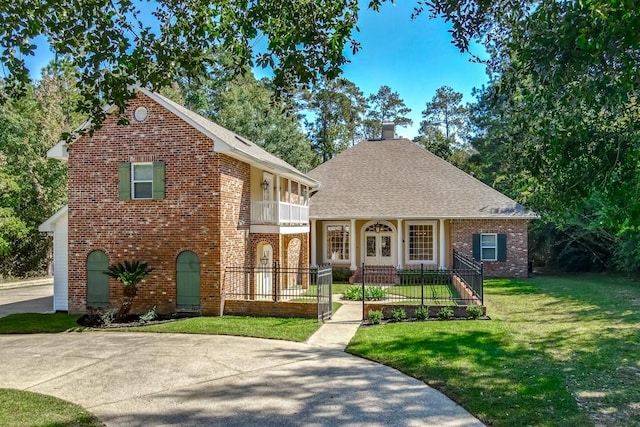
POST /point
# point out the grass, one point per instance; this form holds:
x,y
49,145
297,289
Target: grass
x,y
35,323
336,288
292,329
23,408
559,351
436,292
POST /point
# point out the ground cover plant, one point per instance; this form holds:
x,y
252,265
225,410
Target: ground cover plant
x,y
35,323
291,329
24,408
559,351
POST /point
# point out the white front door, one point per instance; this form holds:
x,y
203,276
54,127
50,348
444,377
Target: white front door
x,y
378,248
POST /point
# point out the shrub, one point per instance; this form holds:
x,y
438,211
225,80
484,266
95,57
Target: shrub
x,y
149,315
474,311
341,274
375,317
398,314
422,313
445,313
107,316
375,293
353,293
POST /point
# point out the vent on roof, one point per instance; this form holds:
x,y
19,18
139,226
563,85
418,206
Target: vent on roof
x,y
388,130
242,140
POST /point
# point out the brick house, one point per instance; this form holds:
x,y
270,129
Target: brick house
x,y
192,199
177,191
390,202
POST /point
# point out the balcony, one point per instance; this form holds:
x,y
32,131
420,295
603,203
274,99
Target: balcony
x,y
279,213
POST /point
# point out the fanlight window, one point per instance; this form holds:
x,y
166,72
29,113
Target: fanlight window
x,y
382,228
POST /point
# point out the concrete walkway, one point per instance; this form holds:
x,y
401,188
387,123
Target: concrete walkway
x,y
337,332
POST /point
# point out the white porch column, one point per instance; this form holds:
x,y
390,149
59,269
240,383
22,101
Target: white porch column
x,y
400,245
278,199
352,244
443,252
313,239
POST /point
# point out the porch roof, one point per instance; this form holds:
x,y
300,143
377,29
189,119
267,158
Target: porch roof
x,y
399,179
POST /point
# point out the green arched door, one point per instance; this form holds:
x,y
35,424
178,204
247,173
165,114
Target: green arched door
x,y
97,281
188,281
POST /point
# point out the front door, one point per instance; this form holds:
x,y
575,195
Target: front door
x,y
264,272
378,248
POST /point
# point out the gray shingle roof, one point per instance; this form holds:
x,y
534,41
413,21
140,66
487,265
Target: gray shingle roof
x,y
398,179
236,142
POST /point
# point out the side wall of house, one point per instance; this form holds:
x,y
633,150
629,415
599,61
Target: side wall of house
x,y
153,231
515,265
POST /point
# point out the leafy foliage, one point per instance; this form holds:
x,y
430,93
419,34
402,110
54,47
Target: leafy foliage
x,y
382,107
474,311
374,317
445,313
398,314
130,274
422,313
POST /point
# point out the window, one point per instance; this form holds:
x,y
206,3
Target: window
x,y
490,246
141,180
420,242
336,242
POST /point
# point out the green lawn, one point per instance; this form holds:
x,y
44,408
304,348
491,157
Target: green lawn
x,y
435,292
24,408
294,329
559,351
336,288
34,323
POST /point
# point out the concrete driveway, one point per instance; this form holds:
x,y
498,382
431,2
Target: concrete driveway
x,y
142,379
26,297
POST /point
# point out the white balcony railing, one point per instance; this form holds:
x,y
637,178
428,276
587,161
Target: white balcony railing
x,y
279,213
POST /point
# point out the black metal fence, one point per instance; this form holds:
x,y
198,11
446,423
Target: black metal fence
x,y
275,283
471,272
420,285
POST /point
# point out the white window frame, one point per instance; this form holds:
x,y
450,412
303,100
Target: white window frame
x,y
494,247
325,227
134,181
434,247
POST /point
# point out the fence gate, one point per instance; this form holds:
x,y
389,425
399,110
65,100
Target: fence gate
x,y
324,281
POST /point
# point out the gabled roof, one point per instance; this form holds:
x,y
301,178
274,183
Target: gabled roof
x,y
50,224
225,141
398,179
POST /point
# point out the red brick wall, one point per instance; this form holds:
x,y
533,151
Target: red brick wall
x,y
270,308
256,239
515,265
201,187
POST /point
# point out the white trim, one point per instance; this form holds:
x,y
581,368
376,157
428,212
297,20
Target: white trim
x,y
495,235
363,245
58,151
352,245
314,240
433,224
278,229
442,243
400,245
325,225
133,180
49,225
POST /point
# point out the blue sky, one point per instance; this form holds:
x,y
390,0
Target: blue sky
x,y
414,58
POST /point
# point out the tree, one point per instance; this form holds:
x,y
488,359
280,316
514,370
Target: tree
x,y
130,274
446,114
336,107
33,187
247,107
117,44
384,106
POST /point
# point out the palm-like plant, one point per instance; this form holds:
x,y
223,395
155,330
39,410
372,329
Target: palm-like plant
x,y
130,274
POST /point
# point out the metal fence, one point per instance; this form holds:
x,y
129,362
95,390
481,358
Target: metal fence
x,y
275,283
420,285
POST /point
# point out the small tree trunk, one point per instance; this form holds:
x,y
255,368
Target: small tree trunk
x,y
130,293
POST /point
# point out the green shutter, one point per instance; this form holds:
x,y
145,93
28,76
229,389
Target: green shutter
x,y
502,247
158,180
476,246
97,281
124,181
188,281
